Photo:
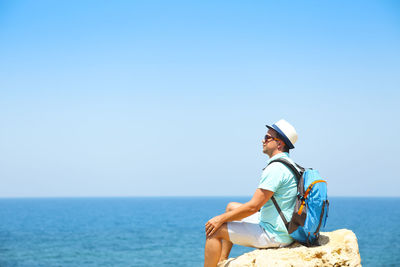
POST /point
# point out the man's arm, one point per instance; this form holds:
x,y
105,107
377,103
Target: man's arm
x,y
258,200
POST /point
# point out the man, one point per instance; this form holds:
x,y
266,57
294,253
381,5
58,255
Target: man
x,y
242,223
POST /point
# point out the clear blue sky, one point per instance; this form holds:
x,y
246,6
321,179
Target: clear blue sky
x,y
171,98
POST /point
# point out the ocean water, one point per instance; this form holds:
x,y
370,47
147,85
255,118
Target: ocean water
x,y
162,231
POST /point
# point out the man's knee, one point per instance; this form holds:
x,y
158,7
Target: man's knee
x,y
232,206
221,233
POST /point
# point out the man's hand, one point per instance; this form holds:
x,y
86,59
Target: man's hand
x,y
213,224
260,197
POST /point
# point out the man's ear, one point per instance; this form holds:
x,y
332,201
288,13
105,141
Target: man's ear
x,y
281,143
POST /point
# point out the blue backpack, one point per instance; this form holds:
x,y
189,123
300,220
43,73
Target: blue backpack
x,y
312,205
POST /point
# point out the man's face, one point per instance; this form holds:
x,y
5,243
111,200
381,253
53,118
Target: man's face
x,y
270,145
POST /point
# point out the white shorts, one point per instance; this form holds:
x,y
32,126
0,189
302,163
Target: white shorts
x,y
248,232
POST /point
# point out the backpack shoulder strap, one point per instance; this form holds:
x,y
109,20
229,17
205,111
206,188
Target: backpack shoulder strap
x,y
280,213
297,174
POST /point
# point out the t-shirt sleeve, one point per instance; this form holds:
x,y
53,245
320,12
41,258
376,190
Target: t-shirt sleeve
x,y
271,178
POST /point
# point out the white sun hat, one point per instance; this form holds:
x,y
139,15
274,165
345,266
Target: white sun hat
x,y
286,131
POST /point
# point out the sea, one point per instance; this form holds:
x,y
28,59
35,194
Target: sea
x,y
161,231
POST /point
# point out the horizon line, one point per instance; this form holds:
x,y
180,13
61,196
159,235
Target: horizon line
x,y
169,196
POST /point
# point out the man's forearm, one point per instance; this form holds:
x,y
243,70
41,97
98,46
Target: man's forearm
x,y
260,197
241,212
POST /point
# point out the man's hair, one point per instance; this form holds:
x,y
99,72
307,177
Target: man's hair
x,y
286,148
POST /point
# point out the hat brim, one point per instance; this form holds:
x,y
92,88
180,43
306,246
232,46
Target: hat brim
x,y
284,137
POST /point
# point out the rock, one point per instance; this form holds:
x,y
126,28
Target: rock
x,y
337,248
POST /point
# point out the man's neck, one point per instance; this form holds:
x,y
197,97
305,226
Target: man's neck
x,y
276,152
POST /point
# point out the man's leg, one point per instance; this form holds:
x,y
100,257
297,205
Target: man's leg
x,y
212,251
226,244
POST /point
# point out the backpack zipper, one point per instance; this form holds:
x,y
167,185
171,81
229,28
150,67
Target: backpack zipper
x,y
306,194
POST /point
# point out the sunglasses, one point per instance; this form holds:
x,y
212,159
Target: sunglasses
x,y
268,137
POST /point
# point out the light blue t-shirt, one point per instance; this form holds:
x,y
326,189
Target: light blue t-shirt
x,y
280,180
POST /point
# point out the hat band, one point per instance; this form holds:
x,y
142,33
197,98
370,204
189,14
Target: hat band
x,y
284,137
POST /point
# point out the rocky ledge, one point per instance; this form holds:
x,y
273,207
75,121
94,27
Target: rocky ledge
x,y
337,248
